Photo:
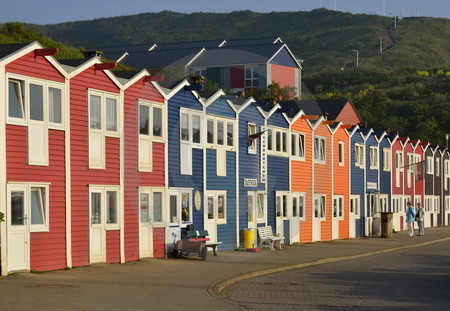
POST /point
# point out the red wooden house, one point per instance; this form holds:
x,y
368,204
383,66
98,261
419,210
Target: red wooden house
x,y
96,157
399,200
144,165
33,159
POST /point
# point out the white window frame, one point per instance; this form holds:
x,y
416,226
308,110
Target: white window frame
x,y
355,202
103,190
437,168
279,142
320,211
191,113
320,150
446,173
338,207
430,165
25,82
254,210
341,153
252,129
374,158
387,159
180,195
399,161
151,192
301,202
215,142
26,188
359,155
297,144
215,196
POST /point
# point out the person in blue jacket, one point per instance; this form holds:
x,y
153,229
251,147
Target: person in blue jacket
x,y
410,215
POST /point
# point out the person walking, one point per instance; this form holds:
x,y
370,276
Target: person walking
x,y
410,215
419,218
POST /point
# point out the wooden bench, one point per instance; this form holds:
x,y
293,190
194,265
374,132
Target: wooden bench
x,y
268,239
197,242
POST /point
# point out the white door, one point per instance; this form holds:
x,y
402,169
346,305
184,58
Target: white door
x,y
294,223
319,214
97,241
337,214
354,209
18,229
211,217
145,225
280,209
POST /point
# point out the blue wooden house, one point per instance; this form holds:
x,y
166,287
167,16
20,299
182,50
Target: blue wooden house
x,y
252,171
221,207
279,202
185,138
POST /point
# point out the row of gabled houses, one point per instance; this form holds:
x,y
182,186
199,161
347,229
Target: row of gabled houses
x,y
111,166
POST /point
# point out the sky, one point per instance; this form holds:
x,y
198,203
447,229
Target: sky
x,y
57,11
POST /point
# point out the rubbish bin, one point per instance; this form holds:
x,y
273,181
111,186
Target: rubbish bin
x,y
386,225
249,238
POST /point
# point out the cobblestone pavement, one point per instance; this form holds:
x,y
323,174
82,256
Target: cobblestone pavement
x,y
410,279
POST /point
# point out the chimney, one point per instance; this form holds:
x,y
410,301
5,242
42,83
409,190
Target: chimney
x,y
92,53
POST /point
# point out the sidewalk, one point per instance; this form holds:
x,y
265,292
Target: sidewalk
x,y
188,283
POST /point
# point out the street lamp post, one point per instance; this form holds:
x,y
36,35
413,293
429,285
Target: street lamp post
x,y
447,136
357,57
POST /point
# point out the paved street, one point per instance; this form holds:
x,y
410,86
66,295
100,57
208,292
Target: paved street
x,y
189,283
411,279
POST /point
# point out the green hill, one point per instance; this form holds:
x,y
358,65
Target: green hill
x,y
324,39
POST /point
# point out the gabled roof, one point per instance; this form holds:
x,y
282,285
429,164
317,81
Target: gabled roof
x,y
161,58
252,41
237,55
7,49
125,48
329,107
188,45
310,107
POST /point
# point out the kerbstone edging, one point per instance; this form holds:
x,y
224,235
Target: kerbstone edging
x,y
216,289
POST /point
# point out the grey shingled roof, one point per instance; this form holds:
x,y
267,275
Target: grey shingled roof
x,y
188,45
124,48
252,41
254,54
161,58
8,49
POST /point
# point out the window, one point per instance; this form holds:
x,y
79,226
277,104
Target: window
x,y
319,150
16,100
399,161
338,207
150,129
386,159
341,153
282,205
103,121
355,205
190,127
438,166
151,205
277,142
217,208
359,155
256,207
251,127
105,207
319,206
430,165
251,77
35,100
298,205
220,132
180,205
29,201
373,158
298,146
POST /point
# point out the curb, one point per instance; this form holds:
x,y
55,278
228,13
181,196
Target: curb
x,y
217,288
